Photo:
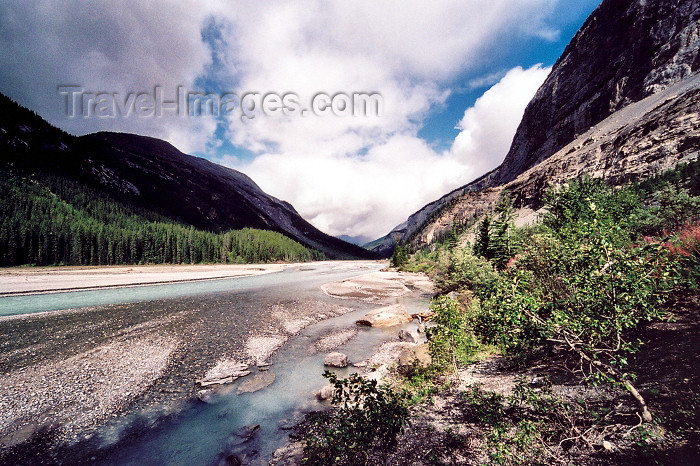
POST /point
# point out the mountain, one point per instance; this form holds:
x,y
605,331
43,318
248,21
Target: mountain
x,y
622,102
153,177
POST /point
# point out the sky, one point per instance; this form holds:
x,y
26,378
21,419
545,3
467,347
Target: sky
x,y
452,78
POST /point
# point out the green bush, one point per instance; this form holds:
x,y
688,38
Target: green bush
x,y
367,418
450,340
584,282
466,270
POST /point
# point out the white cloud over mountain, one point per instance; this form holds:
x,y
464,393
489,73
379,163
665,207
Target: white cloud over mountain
x,y
347,175
370,194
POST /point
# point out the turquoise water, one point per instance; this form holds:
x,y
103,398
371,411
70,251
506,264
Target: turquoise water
x,y
16,305
205,433
194,432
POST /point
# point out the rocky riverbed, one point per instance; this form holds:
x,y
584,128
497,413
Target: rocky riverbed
x,y
66,373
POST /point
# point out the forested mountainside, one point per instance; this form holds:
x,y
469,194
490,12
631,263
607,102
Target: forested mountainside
x,y
123,198
621,103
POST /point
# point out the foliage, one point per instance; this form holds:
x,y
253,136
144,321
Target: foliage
x,y
494,239
450,340
466,270
668,209
400,256
685,247
582,287
367,417
39,227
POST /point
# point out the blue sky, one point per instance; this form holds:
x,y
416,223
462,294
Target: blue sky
x,y
454,77
439,128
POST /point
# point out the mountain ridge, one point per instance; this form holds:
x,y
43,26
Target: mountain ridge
x,y
154,175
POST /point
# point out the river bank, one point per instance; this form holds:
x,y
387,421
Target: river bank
x,y
34,280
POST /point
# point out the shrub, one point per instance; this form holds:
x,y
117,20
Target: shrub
x,y
466,270
685,247
367,417
450,340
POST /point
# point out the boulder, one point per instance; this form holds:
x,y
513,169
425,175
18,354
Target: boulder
x,y
336,359
405,335
226,371
206,396
245,433
325,393
387,316
417,355
289,455
257,382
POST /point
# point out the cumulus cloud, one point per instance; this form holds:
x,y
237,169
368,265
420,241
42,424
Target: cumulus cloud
x,y
370,194
347,175
487,128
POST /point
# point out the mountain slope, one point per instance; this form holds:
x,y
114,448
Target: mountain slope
x,y
155,178
621,102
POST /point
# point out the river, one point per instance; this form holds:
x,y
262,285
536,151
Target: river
x,y
190,326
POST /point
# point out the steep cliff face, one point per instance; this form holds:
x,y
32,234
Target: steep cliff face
x,y
625,51
620,103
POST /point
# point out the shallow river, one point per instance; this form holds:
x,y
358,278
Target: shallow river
x,y
167,424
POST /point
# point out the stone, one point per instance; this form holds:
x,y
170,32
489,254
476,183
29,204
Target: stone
x,y
226,371
206,396
388,316
336,359
289,455
325,393
418,355
405,335
257,382
244,434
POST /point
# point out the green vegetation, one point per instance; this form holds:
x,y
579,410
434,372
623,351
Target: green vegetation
x,y
451,342
55,221
367,417
581,285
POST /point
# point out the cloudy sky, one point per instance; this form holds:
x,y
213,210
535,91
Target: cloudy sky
x,y
454,78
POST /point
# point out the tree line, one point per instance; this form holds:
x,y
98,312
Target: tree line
x,y
39,226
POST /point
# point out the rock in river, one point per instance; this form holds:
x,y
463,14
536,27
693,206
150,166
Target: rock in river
x,y
257,382
336,359
387,316
225,371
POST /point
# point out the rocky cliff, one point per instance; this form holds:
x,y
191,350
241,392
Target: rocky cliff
x,y
620,103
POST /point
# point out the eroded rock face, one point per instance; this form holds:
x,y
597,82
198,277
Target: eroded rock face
x,y
625,51
621,103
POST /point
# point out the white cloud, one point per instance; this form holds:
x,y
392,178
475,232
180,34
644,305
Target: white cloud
x,y
370,194
357,176
488,127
